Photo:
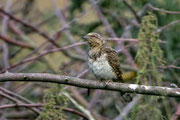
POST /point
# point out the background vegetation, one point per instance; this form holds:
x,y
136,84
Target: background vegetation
x,y
35,27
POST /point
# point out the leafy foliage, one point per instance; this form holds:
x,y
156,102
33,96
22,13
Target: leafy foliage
x,y
149,56
54,102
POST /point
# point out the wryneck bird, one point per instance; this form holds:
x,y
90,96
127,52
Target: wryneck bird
x,y
103,60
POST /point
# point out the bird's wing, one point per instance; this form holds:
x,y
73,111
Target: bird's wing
x,y
113,60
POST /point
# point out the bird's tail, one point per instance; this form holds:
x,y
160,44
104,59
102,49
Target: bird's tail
x,y
129,76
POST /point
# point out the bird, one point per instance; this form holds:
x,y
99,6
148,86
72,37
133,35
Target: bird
x,y
103,61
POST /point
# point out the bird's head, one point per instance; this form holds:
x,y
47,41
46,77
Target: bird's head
x,y
94,40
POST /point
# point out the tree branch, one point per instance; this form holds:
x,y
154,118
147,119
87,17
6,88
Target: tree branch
x,y
15,42
133,11
111,31
168,25
164,11
17,101
84,83
40,55
41,105
43,34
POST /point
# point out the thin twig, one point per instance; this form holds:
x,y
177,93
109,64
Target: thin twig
x,y
122,39
40,55
171,66
168,25
103,19
15,95
111,31
17,101
125,47
29,26
41,105
133,11
80,107
15,42
68,34
164,11
59,49
43,34
177,114
127,108
3,32
67,25
83,73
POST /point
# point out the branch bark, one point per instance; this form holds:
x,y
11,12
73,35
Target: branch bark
x,y
84,83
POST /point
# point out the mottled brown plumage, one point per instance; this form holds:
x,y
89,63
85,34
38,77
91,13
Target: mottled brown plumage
x,y
103,61
99,50
113,60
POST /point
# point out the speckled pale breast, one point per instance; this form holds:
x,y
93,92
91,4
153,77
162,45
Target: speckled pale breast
x,y
101,68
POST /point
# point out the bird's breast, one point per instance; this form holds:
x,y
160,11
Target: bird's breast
x,y
101,68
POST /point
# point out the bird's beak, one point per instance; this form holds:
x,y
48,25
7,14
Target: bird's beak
x,y
85,37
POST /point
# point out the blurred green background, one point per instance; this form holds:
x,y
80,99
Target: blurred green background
x,y
49,16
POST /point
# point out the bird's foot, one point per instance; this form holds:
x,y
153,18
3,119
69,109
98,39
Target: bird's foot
x,y
107,82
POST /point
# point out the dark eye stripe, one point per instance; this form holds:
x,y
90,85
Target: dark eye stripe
x,y
95,36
